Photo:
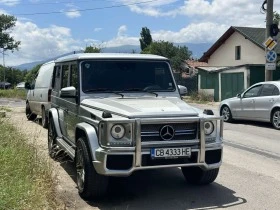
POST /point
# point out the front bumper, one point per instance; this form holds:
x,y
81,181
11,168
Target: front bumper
x,y
124,161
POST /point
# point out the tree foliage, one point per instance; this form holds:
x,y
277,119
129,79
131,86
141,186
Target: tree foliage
x,y
176,54
92,49
276,18
146,38
7,42
12,75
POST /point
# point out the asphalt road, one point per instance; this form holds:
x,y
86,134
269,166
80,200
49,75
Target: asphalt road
x,y
249,177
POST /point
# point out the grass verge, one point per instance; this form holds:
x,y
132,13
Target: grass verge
x,y
13,93
200,97
25,179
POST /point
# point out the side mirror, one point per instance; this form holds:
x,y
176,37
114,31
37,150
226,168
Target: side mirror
x,y
182,90
68,92
27,86
238,95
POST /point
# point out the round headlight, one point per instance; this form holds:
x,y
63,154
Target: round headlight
x,y
117,131
208,128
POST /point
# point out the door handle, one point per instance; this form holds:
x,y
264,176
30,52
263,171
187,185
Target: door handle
x,y
41,95
271,100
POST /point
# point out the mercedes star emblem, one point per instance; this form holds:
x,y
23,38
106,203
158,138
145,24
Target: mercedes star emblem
x,y
167,132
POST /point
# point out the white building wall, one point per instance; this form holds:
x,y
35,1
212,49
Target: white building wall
x,y
225,54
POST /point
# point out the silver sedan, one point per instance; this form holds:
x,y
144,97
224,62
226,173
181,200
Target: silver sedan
x,y
260,102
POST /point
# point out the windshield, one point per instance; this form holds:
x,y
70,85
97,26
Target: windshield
x,y
126,76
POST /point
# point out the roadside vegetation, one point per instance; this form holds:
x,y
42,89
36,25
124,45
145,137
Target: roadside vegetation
x,y
26,180
199,97
13,93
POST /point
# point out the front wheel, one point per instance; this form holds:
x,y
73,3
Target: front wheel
x,y
195,175
226,113
90,184
275,119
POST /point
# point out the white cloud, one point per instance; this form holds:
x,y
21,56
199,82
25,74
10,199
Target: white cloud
x,y
122,29
98,29
9,2
3,12
40,43
72,11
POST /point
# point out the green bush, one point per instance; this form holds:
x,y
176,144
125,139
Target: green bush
x,y
201,96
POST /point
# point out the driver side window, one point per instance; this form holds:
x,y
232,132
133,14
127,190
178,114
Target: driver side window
x,y
253,92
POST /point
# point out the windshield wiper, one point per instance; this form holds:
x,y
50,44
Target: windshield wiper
x,y
141,90
105,90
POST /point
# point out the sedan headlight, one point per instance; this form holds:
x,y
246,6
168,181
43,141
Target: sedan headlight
x,y
208,128
118,131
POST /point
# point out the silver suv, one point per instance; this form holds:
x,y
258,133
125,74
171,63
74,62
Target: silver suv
x,y
114,114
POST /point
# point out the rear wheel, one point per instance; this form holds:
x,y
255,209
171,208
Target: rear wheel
x,y
195,175
52,146
275,119
226,113
44,118
28,112
90,184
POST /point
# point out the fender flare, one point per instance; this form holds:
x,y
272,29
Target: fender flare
x,y
54,115
91,136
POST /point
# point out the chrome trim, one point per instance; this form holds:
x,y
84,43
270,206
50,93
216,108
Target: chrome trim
x,y
138,149
202,141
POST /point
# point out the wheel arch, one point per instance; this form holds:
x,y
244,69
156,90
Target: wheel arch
x,y
271,113
53,115
89,132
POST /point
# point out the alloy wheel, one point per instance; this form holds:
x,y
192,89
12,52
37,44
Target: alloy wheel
x,y
276,119
80,167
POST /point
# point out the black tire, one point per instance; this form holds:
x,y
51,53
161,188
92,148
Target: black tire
x,y
197,176
275,119
226,113
52,146
90,184
44,118
28,113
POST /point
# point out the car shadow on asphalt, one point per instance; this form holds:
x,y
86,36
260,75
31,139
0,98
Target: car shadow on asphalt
x,y
254,123
160,189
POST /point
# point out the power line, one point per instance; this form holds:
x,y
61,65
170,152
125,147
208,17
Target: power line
x,y
58,2
83,10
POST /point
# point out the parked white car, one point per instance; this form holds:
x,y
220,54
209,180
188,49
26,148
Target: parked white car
x,y
39,94
260,102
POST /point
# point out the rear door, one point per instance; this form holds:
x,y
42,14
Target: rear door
x,y
264,103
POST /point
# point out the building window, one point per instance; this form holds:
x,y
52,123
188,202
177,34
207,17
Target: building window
x,y
237,52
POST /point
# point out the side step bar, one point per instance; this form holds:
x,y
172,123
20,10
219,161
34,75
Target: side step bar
x,y
66,147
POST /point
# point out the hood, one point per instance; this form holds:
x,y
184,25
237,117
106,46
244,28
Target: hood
x,y
143,107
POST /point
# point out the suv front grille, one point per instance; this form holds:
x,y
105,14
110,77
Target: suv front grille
x,y
182,131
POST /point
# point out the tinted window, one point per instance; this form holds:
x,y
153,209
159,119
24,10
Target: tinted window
x,y
253,92
267,90
126,76
56,82
65,73
275,91
74,76
45,76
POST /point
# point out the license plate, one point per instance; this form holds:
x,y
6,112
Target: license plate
x,y
171,152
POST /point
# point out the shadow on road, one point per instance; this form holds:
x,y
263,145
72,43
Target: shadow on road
x,y
161,189
254,123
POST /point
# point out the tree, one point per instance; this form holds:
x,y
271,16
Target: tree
x,y
276,18
7,42
30,76
92,49
176,54
146,38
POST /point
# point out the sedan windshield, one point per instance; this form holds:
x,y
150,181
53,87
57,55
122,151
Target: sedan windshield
x,y
126,76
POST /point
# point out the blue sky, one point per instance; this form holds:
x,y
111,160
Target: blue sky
x,y
72,25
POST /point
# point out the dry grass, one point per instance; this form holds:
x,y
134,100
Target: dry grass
x,y
13,93
200,97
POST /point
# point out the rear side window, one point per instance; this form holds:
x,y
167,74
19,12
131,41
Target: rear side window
x,y
267,90
65,75
275,91
44,77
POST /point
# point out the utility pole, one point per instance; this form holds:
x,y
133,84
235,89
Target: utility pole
x,y
4,68
269,22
